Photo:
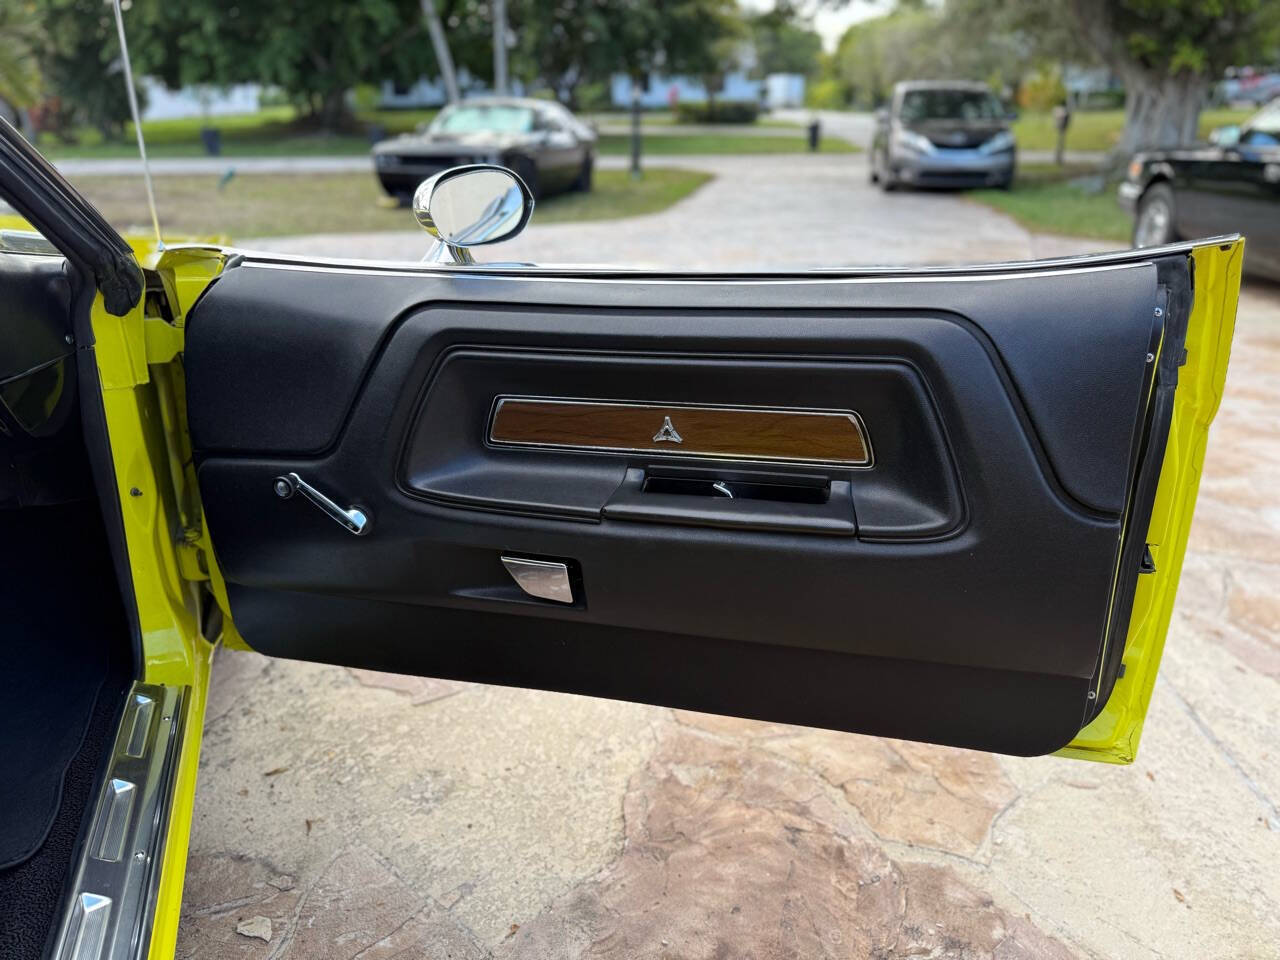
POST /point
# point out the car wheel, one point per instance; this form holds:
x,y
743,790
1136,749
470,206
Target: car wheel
x,y
527,171
1153,226
583,183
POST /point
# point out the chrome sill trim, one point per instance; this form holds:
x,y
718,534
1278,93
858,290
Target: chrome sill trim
x,y
109,912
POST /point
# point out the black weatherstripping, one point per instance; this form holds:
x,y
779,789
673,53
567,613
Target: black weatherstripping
x,y
36,190
963,589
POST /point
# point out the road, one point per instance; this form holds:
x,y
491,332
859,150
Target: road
x,y
373,816
760,212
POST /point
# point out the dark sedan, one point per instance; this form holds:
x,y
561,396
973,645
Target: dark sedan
x,y
1229,185
943,134
550,148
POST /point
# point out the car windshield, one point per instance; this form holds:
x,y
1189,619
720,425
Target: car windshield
x,y
469,119
949,105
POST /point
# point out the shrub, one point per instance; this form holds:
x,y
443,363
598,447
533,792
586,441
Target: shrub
x,y
721,111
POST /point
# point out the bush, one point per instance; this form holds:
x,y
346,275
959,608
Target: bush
x,y
826,94
1042,91
721,111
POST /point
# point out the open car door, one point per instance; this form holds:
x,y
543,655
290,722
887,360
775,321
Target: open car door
x,y
946,505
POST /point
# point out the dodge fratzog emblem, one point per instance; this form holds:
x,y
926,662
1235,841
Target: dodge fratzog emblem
x,y
667,432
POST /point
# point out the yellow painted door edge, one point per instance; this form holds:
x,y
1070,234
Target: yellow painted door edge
x,y
170,561
1114,734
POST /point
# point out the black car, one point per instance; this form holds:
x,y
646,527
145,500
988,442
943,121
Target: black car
x,y
1229,185
550,148
943,134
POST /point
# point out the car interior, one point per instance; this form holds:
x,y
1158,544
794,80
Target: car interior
x,y
69,653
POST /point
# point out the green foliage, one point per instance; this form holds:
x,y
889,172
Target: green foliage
x,y
783,42
79,58
826,94
316,50
19,34
1042,90
718,111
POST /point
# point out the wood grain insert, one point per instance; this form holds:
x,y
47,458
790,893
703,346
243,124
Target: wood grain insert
x,y
739,433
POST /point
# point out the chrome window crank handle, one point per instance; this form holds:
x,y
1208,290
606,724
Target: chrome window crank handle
x,y
352,518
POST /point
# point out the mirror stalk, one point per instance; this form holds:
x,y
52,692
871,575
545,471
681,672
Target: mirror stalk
x,y
447,253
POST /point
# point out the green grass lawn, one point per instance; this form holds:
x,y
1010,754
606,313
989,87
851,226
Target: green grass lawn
x,y
1100,129
1044,199
659,118
272,131
261,205
660,144
275,132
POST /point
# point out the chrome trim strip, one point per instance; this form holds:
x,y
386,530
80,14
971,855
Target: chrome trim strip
x,y
111,906
622,275
851,415
595,273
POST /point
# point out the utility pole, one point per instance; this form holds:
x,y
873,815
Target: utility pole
x,y
500,47
441,46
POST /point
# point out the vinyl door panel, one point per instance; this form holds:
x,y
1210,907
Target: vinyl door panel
x,y
953,585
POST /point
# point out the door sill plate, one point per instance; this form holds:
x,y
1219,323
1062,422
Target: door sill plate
x,y
112,902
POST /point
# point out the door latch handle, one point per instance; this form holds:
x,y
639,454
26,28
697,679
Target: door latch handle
x,y
352,518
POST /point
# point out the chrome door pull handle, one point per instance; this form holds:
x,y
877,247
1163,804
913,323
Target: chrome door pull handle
x,y
352,518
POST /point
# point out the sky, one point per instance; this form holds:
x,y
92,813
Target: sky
x,y
830,23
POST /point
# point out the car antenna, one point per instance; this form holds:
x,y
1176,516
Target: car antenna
x,y
137,122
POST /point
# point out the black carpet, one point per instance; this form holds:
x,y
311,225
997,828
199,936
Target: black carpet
x,y
64,669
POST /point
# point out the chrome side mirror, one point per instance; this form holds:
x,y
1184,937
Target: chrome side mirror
x,y
469,206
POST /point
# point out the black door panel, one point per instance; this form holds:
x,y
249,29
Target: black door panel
x,y
967,572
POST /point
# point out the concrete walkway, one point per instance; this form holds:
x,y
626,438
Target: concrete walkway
x,y
760,212
343,813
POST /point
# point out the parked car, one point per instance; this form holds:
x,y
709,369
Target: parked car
x,y
550,148
914,503
1247,85
1230,184
936,134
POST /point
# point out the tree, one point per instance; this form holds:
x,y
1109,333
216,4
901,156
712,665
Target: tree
x,y
1168,54
19,76
79,61
783,42
561,43
316,50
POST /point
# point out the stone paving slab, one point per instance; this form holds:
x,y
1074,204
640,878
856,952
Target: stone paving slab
x,y
358,814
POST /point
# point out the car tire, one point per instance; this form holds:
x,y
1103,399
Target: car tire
x,y
527,171
583,183
1153,223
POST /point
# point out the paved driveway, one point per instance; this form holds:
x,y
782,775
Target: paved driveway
x,y
343,813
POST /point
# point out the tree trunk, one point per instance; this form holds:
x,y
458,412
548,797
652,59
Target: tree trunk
x,y
334,114
1163,112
